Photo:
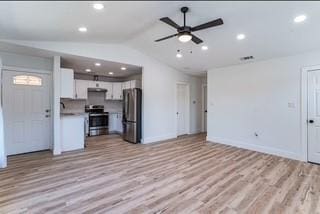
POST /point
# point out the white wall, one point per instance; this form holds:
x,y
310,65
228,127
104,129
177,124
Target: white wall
x,y
254,97
158,82
3,158
25,61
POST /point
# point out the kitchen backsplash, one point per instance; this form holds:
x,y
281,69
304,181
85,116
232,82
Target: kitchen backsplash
x,y
94,98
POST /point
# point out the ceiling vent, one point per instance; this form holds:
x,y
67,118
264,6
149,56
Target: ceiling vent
x,y
245,58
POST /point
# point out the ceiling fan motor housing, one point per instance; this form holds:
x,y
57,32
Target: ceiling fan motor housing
x,y
184,9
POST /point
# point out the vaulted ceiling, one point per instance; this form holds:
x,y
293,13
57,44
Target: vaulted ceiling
x,y
269,28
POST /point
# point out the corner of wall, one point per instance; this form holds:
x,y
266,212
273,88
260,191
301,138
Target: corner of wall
x,y
3,157
56,106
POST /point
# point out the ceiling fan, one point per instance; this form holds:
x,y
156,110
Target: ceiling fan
x,y
184,32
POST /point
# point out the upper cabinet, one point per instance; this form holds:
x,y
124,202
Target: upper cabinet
x,y
135,84
81,89
66,83
117,91
126,85
78,89
108,87
131,84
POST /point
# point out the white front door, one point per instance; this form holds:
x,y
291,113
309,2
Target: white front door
x,y
314,116
182,109
27,112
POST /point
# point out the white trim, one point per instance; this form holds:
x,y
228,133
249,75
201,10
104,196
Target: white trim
x,y
159,138
304,109
3,157
257,148
203,107
57,147
28,70
142,105
188,106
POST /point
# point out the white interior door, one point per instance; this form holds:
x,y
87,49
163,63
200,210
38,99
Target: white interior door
x,y
314,116
27,112
182,109
205,108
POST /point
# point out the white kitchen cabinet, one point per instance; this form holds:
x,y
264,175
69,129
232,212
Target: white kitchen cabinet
x,y
126,85
72,132
117,91
115,122
66,83
135,84
108,87
81,89
112,122
119,123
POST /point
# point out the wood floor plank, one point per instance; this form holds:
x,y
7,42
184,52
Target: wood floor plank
x,y
183,175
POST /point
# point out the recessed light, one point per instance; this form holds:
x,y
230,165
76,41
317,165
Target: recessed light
x,y
88,70
123,68
241,36
97,64
179,55
82,29
204,48
98,6
300,18
111,73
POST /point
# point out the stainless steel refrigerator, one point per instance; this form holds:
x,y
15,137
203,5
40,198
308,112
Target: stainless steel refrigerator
x,y
132,115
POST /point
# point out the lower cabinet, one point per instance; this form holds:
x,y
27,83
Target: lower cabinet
x,y
115,122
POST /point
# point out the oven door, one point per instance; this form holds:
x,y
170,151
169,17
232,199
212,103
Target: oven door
x,y
98,123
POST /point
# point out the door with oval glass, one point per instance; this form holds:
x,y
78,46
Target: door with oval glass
x,y
27,112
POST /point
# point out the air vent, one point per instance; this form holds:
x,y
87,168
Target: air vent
x,y
246,58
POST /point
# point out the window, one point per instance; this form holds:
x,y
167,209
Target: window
x,y
27,80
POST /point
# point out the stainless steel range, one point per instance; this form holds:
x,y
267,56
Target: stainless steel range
x,y
98,120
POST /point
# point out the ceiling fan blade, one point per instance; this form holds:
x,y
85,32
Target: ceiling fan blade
x,y
213,23
196,39
167,37
169,21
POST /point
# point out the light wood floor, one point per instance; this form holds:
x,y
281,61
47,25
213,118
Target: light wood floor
x,y
186,175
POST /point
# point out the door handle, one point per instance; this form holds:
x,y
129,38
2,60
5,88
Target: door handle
x,y
311,121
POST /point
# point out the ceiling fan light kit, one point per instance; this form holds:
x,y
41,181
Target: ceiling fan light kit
x,y
185,37
184,33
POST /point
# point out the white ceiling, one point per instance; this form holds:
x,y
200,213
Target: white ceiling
x,y
80,64
269,28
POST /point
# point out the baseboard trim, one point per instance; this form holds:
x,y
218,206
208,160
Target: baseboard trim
x,y
158,138
257,148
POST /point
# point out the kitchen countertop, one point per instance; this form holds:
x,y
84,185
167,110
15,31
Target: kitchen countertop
x,y
83,114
